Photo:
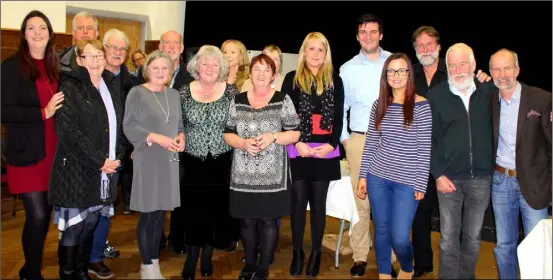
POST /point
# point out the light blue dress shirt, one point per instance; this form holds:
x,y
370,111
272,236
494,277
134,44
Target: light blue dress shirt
x,y
508,118
112,119
361,78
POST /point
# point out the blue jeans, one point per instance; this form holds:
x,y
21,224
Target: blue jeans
x,y
507,201
462,214
393,208
100,238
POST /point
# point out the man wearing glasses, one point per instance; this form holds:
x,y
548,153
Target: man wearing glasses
x,y
85,27
138,58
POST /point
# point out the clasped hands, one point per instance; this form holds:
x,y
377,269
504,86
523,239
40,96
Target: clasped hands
x,y
171,144
110,166
258,144
319,152
361,190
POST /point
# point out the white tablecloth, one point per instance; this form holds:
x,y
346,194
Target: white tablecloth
x,y
534,252
340,202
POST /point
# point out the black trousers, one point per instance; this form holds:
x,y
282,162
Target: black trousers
x,y
422,226
125,179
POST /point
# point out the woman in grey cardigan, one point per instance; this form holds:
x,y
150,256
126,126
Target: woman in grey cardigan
x,y
153,124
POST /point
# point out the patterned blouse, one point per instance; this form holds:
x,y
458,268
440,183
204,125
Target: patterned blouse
x,y
204,123
268,170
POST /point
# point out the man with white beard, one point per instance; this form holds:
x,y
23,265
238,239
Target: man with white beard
x,y
461,160
429,72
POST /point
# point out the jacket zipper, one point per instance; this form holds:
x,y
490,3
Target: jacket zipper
x,y
470,140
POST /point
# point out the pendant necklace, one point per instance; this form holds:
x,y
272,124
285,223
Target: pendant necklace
x,y
167,101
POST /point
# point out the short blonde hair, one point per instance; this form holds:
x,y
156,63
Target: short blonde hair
x,y
95,43
151,58
208,51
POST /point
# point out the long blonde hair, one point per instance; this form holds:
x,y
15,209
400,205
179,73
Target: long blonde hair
x,y
243,72
304,77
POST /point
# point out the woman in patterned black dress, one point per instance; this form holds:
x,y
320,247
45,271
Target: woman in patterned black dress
x,y
206,159
261,122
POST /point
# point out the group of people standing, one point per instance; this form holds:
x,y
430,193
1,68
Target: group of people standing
x,y
230,146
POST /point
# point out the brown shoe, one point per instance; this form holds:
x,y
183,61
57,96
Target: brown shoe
x,y
100,270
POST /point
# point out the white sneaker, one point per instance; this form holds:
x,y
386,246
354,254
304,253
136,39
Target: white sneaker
x,y
157,270
147,271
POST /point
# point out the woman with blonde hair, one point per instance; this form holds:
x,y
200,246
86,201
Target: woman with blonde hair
x,y
274,52
239,63
318,95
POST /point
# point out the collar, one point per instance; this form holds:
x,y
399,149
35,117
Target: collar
x,y
364,58
516,94
470,90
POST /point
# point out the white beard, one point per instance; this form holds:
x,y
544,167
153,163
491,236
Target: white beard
x,y
462,85
428,59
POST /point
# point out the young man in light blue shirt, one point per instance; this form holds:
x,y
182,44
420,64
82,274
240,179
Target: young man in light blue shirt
x,y
361,77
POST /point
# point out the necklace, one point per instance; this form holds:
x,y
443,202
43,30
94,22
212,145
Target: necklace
x,y
166,100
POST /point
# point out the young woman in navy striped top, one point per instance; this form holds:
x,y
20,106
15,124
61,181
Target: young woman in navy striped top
x,y
395,163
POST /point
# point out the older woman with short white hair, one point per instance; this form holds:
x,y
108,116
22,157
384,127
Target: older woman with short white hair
x,y
153,124
206,159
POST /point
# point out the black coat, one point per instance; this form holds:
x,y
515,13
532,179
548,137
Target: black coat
x,y
82,128
21,115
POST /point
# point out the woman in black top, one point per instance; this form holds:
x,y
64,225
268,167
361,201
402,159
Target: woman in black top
x,y
29,101
318,95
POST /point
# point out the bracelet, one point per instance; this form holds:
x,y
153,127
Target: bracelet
x,y
274,137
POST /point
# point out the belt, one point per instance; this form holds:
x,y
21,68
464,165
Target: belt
x,y
358,132
506,171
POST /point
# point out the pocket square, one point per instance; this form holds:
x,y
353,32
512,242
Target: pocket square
x,y
532,114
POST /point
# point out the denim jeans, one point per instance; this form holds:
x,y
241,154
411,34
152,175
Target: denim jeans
x,y
100,238
507,202
462,211
393,208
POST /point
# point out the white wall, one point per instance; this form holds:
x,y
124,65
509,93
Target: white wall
x,y
157,16
289,60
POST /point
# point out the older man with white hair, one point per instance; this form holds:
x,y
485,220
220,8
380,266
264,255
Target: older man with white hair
x,y
461,160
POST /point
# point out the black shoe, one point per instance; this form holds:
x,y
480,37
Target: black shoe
x,y
67,259
313,264
187,276
418,272
24,276
259,276
394,272
358,269
247,272
178,248
296,267
206,267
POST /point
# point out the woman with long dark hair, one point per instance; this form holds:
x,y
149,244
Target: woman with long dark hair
x,y
29,101
395,163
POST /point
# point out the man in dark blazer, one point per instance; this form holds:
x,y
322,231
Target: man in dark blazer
x,y
522,154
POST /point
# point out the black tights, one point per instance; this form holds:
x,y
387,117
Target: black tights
x,y
37,220
262,234
315,193
149,230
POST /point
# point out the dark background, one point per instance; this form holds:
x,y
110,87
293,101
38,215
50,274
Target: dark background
x,y
524,27
486,26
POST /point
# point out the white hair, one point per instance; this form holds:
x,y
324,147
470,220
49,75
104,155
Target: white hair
x,y
208,51
84,14
117,33
460,47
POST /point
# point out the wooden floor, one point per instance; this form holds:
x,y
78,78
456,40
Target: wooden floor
x,y
227,265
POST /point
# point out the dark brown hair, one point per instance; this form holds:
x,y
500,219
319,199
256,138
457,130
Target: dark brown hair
x,y
386,97
263,59
51,60
366,18
428,30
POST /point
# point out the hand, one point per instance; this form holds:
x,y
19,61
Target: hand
x,y
345,143
482,76
250,146
164,141
419,195
180,141
132,155
323,150
264,140
362,188
444,185
53,105
304,150
110,166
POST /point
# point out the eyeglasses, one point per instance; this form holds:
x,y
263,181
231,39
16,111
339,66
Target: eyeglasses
x,y
115,48
392,72
91,57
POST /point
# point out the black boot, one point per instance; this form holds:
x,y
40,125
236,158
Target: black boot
x,y
206,268
67,258
189,269
296,267
313,264
247,272
85,247
23,275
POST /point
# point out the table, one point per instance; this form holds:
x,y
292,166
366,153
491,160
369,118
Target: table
x,y
534,252
340,203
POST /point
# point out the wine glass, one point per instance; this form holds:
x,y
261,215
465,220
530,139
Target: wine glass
x,y
175,154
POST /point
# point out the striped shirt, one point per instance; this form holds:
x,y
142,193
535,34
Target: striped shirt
x,y
398,154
